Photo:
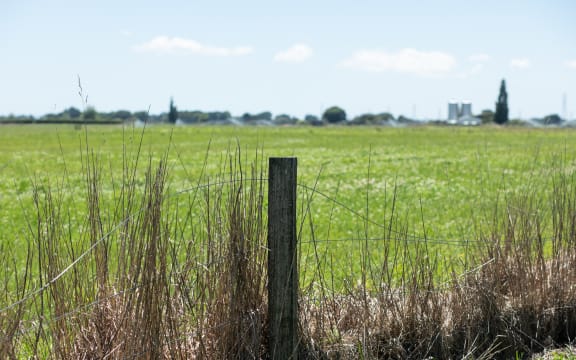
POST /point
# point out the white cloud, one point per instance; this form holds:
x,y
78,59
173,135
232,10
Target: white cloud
x,y
404,61
571,64
479,58
520,63
164,44
295,54
478,64
472,71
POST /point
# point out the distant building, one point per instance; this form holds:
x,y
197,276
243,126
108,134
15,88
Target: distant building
x,y
466,109
461,114
453,112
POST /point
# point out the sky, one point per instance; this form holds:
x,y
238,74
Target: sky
x,y
296,57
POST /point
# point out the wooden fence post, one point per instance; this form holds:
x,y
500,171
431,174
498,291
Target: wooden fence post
x,y
282,259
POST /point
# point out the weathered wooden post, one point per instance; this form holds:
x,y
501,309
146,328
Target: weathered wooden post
x,y
282,258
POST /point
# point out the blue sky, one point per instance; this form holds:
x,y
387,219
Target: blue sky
x,y
297,57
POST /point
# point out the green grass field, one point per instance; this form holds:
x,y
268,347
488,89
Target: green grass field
x,y
389,218
449,177
446,180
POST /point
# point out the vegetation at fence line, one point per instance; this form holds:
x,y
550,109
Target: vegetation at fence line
x,y
414,243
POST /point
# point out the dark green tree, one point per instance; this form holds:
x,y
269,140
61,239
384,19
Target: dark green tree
x,y
334,115
487,116
501,113
266,115
173,113
90,113
72,113
312,120
372,119
121,114
246,117
284,119
553,119
141,115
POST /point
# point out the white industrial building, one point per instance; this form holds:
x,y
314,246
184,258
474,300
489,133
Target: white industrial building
x,y
461,114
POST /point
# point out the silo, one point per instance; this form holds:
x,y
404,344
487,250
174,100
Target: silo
x,y
466,109
452,111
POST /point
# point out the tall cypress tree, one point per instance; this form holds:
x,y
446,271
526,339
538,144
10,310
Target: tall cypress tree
x,y
173,113
501,114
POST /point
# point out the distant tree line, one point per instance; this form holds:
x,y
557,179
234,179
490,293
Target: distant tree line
x,y
333,115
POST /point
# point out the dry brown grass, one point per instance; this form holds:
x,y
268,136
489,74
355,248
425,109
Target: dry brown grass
x,y
519,300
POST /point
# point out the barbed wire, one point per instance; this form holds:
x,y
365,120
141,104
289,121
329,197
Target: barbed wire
x,y
67,268
372,222
417,240
135,287
403,236
123,222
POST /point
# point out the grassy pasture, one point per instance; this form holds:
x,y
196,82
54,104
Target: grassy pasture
x,y
446,181
386,216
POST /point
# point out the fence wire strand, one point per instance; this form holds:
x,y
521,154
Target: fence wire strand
x,y
123,222
400,236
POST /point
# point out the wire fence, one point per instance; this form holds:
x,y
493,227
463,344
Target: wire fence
x,y
398,235
395,235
